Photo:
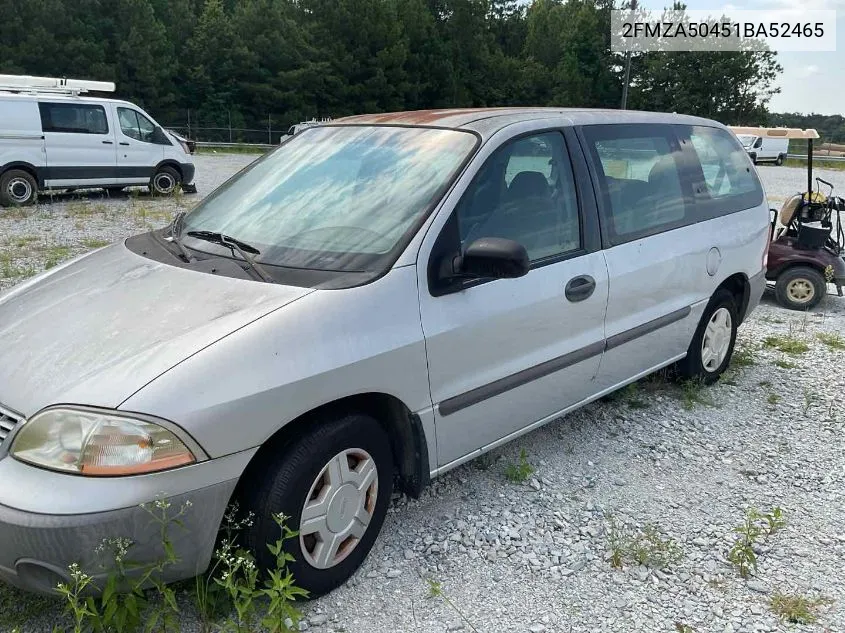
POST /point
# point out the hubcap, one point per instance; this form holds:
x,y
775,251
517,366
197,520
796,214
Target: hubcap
x,y
339,508
19,190
717,340
800,291
164,183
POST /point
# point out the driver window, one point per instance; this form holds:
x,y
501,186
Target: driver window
x,y
135,125
524,192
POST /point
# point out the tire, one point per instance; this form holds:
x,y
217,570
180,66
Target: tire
x,y
697,364
800,288
18,188
165,181
779,160
286,479
754,158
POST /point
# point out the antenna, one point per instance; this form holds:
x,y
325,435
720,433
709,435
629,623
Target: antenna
x,y
56,85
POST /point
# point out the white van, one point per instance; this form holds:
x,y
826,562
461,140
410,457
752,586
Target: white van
x,y
762,149
53,138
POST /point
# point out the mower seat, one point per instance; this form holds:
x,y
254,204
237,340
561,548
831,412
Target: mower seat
x,y
787,213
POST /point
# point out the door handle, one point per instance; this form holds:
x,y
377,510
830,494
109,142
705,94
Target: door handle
x,y
580,288
108,143
123,143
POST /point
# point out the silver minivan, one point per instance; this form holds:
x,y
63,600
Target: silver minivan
x,y
375,302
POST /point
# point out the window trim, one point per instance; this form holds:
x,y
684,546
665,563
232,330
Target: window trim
x,y
635,130
42,105
448,240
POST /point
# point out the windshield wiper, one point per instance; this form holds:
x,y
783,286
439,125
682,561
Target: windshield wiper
x,y
176,236
231,243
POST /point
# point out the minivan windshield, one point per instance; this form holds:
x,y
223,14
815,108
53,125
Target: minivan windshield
x,y
335,198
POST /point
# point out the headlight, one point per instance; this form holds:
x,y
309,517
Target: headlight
x,y
98,443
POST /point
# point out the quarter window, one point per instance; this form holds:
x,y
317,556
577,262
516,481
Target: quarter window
x,y
136,125
73,118
724,164
640,179
524,192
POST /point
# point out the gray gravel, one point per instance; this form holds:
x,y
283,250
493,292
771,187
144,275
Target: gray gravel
x,y
533,556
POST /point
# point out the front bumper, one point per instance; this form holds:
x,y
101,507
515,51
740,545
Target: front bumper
x,y
50,520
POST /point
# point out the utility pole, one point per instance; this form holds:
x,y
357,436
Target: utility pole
x,y
627,80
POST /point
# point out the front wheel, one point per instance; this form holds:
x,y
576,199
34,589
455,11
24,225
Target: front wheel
x,y
17,188
754,158
334,483
165,181
800,288
779,160
712,345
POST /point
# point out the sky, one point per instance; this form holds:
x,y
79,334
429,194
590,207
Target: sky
x,y
810,82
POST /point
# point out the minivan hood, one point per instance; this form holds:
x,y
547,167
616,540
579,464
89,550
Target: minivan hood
x,y
97,330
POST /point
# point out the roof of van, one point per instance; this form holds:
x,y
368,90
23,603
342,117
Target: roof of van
x,y
47,96
489,120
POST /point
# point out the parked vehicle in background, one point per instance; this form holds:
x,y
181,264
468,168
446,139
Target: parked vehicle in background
x,y
53,138
375,302
808,240
765,148
304,125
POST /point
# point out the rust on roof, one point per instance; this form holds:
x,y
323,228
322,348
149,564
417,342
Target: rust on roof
x,y
453,117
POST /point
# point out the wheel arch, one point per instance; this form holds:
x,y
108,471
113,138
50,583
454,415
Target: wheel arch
x,y
169,162
739,286
31,169
403,427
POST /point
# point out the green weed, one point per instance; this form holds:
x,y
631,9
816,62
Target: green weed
x,y
786,343
754,526
785,364
692,392
641,547
520,472
831,339
797,609
93,243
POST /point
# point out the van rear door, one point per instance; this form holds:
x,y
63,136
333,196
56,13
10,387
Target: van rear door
x,y
21,139
79,140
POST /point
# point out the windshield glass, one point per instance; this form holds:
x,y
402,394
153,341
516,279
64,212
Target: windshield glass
x,y
746,139
335,198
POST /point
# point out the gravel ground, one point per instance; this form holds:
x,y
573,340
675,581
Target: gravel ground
x,y
533,556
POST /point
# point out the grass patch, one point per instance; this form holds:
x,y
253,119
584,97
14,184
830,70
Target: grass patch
x,y
797,609
831,339
692,393
644,547
773,399
817,162
743,356
786,344
93,243
232,149
55,256
785,364
520,471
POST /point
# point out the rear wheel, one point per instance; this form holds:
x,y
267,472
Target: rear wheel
x,y
334,483
165,181
800,288
17,188
712,345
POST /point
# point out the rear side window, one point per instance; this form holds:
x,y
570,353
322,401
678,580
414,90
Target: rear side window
x,y
639,169
726,181
73,118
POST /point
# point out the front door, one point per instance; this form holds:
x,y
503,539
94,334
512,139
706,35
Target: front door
x,y
138,154
79,142
505,354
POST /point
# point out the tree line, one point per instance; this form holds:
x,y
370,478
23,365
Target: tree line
x,y
242,62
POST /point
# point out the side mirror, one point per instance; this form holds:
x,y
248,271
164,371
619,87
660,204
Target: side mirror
x,y
492,258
